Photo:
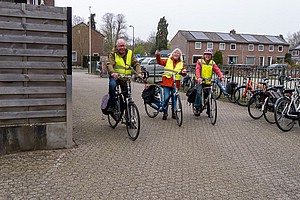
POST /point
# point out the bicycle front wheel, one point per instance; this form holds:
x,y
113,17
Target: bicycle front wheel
x,y
218,91
213,111
255,105
281,110
241,97
268,109
133,123
178,111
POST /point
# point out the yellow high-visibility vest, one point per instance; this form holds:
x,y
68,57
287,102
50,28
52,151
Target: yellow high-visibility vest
x,y
122,67
169,70
206,70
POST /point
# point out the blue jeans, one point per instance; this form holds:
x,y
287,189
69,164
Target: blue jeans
x,y
198,99
112,90
167,92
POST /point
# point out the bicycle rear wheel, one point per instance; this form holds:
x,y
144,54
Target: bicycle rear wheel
x,y
178,111
281,109
213,111
115,117
133,123
255,105
152,110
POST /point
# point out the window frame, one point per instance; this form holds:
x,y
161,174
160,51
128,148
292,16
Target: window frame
x,y
280,46
252,57
199,57
212,45
231,49
200,43
75,55
220,44
261,45
271,48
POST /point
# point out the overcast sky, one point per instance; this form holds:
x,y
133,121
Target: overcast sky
x,y
265,17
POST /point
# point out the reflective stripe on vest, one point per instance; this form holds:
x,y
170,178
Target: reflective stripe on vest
x,y
206,70
121,67
169,69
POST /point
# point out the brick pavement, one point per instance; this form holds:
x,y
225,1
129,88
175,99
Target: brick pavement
x,y
238,158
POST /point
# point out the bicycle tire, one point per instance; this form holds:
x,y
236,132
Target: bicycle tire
x,y
178,111
115,117
218,91
133,123
213,109
255,105
151,110
239,96
281,110
268,109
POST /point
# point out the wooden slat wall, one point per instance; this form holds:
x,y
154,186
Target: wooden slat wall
x,y
33,64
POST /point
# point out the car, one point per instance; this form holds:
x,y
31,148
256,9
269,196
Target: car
x,y
150,64
140,59
277,66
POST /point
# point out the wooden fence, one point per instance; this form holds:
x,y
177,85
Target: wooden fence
x,y
35,72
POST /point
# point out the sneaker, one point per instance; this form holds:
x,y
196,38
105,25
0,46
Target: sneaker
x,y
173,115
165,116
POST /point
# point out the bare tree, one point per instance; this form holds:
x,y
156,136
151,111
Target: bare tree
x,y
113,28
77,20
294,39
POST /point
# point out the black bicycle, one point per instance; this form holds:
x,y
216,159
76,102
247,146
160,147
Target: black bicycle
x,y
209,102
126,110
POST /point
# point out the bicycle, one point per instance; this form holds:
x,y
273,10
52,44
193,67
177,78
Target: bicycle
x,y
243,93
125,102
210,102
256,102
227,90
155,107
187,83
274,93
287,110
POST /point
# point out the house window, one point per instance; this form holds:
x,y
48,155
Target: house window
x,y
271,47
260,47
280,48
210,45
233,46
198,45
250,60
250,47
232,60
222,46
195,58
280,59
74,56
295,53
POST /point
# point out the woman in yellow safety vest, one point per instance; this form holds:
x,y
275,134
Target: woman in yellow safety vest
x,y
204,70
173,64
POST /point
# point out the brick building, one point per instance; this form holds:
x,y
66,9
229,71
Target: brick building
x,y
248,49
35,2
80,43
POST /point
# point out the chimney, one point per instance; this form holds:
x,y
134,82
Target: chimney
x,y
232,32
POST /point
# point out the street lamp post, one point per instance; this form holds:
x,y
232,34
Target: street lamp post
x,y
132,37
90,43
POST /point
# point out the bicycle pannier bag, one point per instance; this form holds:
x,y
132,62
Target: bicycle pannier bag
x,y
105,104
230,87
191,94
148,94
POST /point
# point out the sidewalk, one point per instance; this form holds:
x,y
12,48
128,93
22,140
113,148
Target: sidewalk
x,y
238,158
